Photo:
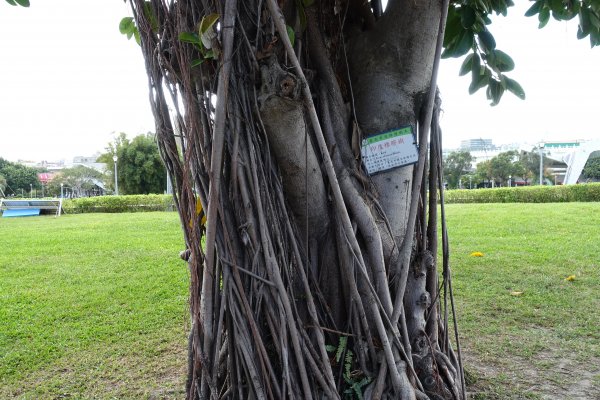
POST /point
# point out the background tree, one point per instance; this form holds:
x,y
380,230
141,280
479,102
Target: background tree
x,y
79,180
504,165
456,164
19,178
483,173
139,168
305,253
592,169
530,161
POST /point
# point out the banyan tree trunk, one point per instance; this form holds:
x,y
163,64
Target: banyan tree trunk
x,y
316,273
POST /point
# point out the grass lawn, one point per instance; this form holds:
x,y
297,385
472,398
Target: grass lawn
x,y
92,306
545,341
95,305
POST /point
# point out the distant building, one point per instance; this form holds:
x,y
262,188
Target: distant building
x,y
48,165
477,145
89,161
83,160
558,150
578,157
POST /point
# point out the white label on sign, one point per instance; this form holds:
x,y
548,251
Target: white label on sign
x,y
389,150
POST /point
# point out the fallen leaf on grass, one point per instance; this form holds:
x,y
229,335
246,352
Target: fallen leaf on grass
x,y
516,293
476,254
570,278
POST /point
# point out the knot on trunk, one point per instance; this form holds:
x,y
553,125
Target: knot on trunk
x,y
282,113
277,82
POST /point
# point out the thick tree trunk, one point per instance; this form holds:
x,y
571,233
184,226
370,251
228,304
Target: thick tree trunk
x,y
318,281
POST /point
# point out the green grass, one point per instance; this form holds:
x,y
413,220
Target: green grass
x,y
92,306
95,305
555,324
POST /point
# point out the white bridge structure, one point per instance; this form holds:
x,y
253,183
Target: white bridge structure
x,y
577,158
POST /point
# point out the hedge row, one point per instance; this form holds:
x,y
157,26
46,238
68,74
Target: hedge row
x,y
527,194
119,204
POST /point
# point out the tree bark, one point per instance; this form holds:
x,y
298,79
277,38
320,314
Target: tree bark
x,y
318,279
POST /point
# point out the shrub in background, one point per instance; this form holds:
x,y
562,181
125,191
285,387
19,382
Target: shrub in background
x,y
119,204
527,194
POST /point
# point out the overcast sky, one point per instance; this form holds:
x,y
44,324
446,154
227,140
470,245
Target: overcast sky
x,y
69,80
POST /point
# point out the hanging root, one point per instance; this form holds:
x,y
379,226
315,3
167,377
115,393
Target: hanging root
x,y
308,289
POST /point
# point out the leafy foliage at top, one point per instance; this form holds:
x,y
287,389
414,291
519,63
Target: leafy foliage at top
x,y
467,34
22,3
588,12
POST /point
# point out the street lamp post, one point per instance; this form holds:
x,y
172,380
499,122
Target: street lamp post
x,y
510,181
61,190
30,190
115,158
470,186
541,163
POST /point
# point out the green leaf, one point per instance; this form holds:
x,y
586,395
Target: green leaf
x,y
476,67
514,87
207,22
494,92
480,23
341,348
534,9
595,39
136,35
210,54
189,37
557,6
11,2
486,39
23,3
544,17
466,66
478,82
207,30
197,62
584,22
503,61
594,20
483,6
464,44
457,40
151,16
291,34
126,25
501,6
453,27
467,17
